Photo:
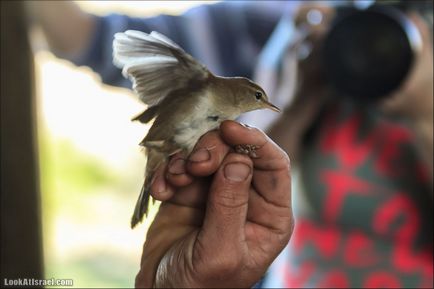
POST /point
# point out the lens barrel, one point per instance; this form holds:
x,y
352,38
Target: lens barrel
x,y
368,53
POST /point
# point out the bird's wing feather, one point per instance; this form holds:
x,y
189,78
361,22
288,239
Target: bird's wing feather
x,y
156,65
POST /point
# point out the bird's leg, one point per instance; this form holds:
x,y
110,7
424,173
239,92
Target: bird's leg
x,y
247,149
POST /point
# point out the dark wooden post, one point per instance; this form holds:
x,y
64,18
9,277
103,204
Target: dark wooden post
x,y
21,242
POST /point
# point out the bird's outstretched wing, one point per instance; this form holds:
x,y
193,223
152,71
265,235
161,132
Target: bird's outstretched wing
x,y
156,65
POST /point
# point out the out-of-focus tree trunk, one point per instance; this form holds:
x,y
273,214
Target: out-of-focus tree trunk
x,y
21,242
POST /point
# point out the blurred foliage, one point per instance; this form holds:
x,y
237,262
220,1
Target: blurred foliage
x,y
75,187
68,174
96,269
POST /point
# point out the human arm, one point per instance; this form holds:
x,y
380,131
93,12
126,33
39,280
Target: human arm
x,y
68,29
312,88
218,227
224,36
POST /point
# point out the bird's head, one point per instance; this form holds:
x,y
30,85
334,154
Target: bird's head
x,y
250,96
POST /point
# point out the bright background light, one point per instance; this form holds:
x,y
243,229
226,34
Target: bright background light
x,y
91,165
139,8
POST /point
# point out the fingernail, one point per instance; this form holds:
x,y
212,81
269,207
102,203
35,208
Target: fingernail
x,y
200,155
245,125
159,185
237,172
177,167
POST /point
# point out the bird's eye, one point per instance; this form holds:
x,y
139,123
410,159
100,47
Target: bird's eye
x,y
258,95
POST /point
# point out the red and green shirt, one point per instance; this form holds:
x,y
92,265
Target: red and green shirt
x,y
367,219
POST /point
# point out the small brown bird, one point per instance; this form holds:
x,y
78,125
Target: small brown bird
x,y
184,98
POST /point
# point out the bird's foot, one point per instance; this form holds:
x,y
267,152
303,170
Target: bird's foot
x,y
247,149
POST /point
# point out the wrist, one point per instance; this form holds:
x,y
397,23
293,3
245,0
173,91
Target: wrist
x,y
172,227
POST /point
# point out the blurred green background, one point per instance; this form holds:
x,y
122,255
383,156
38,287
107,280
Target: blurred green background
x,y
91,172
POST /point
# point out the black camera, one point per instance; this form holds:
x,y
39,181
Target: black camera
x,y
369,52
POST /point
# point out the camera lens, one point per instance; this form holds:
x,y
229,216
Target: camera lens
x,y
368,53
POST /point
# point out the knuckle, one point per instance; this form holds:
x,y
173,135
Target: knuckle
x,y
289,231
230,199
217,264
226,265
284,235
285,157
286,162
236,157
256,130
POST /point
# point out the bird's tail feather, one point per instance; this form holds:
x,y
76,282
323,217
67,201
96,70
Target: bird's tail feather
x,y
142,205
148,114
154,159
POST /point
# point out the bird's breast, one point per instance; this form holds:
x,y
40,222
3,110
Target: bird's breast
x,y
203,117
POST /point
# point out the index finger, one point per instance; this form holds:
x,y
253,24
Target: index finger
x,y
271,165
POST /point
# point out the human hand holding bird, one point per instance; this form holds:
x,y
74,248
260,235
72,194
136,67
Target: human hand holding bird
x,y
184,99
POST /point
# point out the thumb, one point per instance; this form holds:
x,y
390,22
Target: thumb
x,y
226,211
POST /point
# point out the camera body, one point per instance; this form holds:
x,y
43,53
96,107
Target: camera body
x,y
368,53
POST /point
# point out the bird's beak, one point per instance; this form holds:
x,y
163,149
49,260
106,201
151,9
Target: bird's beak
x,y
271,106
